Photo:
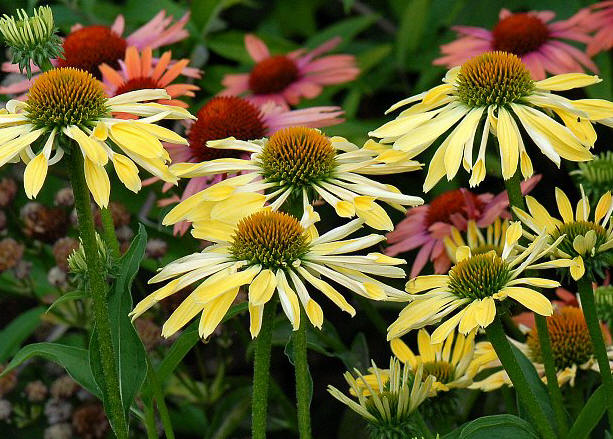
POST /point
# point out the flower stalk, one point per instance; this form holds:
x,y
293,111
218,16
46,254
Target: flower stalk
x,y
303,381
516,199
586,293
496,336
261,373
108,231
98,289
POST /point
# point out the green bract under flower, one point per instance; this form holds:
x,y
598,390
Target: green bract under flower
x,y
480,276
596,176
494,78
271,239
31,39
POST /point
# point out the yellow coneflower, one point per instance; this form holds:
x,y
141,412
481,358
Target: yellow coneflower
x,y
450,362
270,251
386,398
303,163
495,91
587,244
70,102
476,240
570,343
474,285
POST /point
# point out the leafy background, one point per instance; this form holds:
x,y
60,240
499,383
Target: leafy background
x,y
395,42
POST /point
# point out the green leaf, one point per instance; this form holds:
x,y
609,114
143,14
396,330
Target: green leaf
x,y
536,385
185,342
347,29
130,355
18,331
590,415
411,29
499,427
205,12
72,295
347,5
71,358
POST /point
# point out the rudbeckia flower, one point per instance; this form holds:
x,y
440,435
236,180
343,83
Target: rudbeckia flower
x,y
286,79
571,346
139,72
231,116
270,252
451,362
586,244
302,163
473,286
426,227
387,398
532,36
494,93
88,47
72,103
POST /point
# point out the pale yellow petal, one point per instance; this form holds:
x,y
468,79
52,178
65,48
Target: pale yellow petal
x,y
34,175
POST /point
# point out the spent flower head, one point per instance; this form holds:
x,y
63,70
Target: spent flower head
x,y
387,398
32,39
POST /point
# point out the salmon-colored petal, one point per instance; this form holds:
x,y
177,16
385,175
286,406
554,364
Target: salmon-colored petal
x,y
172,73
161,65
132,62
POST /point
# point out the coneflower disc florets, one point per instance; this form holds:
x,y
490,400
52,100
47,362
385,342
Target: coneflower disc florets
x,y
442,370
494,78
578,228
596,176
271,239
298,156
479,276
66,96
570,339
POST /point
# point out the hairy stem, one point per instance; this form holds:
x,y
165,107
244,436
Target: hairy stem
x,y
108,231
98,289
303,380
261,372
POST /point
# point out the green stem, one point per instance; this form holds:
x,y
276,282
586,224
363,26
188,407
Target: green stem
x,y
261,372
550,372
98,291
495,334
303,377
108,231
158,394
586,292
512,328
150,427
510,402
421,424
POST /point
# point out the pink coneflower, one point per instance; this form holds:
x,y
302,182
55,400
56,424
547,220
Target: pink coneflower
x,y
231,116
598,18
285,79
426,226
87,47
138,72
530,36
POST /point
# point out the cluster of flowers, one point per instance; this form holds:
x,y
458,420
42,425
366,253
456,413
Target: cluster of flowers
x,y
257,168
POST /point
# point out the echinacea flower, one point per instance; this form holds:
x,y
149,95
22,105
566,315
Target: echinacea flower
x,y
231,116
450,362
271,252
477,241
300,163
598,18
88,47
286,79
72,103
387,398
32,40
494,92
586,244
529,35
138,72
474,285
571,346
426,227
596,176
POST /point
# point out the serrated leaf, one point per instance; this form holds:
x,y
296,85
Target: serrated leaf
x,y
18,331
